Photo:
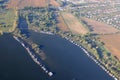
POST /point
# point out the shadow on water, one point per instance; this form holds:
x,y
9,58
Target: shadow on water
x,y
23,26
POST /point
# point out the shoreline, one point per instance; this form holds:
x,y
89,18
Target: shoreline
x,y
44,32
34,58
99,63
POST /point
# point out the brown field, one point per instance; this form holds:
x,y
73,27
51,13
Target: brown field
x,y
100,28
112,43
24,3
74,24
54,3
61,24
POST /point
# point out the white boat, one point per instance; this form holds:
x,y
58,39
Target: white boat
x,y
50,74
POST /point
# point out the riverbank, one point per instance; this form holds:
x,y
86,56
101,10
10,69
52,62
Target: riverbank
x,y
34,57
98,62
90,55
44,32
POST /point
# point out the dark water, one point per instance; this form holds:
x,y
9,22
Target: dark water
x,y
23,26
66,60
15,63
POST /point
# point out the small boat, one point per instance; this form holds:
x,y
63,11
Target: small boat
x,y
50,74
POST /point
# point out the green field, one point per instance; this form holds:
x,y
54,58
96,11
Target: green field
x,y
8,18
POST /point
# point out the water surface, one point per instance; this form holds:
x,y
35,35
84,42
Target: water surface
x,y
15,63
68,61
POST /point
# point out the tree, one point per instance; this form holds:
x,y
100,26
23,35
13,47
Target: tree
x,y
1,32
95,53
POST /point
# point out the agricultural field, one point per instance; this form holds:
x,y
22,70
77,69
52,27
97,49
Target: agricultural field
x,y
24,3
112,43
61,23
98,27
40,18
108,35
54,3
74,24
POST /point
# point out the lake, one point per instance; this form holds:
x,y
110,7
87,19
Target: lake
x,y
65,60
15,63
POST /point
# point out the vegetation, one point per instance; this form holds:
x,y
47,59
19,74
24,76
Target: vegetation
x,y
91,41
35,18
8,21
35,47
8,18
44,19
1,32
97,50
40,18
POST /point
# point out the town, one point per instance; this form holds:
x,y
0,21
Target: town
x,y
102,11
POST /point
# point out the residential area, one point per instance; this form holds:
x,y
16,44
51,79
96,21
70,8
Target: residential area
x,y
102,11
